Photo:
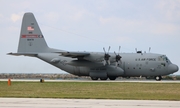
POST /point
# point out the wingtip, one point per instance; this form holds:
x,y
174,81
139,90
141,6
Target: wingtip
x,y
9,53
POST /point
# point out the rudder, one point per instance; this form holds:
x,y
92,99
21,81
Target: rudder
x,y
31,38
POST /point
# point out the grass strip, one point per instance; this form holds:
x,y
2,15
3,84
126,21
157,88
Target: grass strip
x,y
92,90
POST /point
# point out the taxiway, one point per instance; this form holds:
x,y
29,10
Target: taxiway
x,y
84,103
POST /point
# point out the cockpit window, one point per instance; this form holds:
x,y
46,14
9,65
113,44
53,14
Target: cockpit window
x,y
164,58
167,60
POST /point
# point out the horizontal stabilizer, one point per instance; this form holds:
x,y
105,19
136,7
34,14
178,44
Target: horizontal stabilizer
x,y
25,54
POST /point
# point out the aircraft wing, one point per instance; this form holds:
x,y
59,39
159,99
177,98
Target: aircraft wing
x,y
93,57
75,54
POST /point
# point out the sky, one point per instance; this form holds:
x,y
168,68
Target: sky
x,y
90,25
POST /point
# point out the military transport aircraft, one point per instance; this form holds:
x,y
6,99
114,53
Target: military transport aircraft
x,y
97,65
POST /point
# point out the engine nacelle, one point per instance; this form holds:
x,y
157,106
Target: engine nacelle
x,y
114,71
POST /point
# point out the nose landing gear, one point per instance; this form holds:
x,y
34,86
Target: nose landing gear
x,y
158,78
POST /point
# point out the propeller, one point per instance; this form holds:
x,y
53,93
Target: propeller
x,y
118,57
106,56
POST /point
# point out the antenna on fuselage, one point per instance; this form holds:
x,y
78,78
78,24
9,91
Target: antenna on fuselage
x,y
149,49
140,52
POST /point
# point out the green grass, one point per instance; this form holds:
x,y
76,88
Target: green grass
x,y
92,90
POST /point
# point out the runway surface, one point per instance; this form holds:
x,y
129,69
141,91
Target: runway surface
x,y
84,103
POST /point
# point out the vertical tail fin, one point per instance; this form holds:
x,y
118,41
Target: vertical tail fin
x,y
31,39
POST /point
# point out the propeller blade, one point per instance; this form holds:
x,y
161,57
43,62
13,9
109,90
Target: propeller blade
x,y
106,56
118,57
104,50
119,49
109,49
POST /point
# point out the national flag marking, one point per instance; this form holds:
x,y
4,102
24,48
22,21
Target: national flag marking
x,y
29,28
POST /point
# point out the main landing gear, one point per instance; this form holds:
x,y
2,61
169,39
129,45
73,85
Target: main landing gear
x,y
158,78
94,78
103,78
112,78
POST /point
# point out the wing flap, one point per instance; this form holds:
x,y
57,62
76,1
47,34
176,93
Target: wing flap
x,y
75,54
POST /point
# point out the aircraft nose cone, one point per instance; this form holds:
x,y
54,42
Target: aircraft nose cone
x,y
172,68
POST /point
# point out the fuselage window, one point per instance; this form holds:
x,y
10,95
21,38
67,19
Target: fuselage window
x,y
163,64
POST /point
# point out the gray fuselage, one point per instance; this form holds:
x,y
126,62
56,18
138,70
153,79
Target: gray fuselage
x,y
132,64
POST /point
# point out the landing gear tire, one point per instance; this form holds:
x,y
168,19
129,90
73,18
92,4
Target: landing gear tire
x,y
112,78
127,77
94,78
104,78
158,78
